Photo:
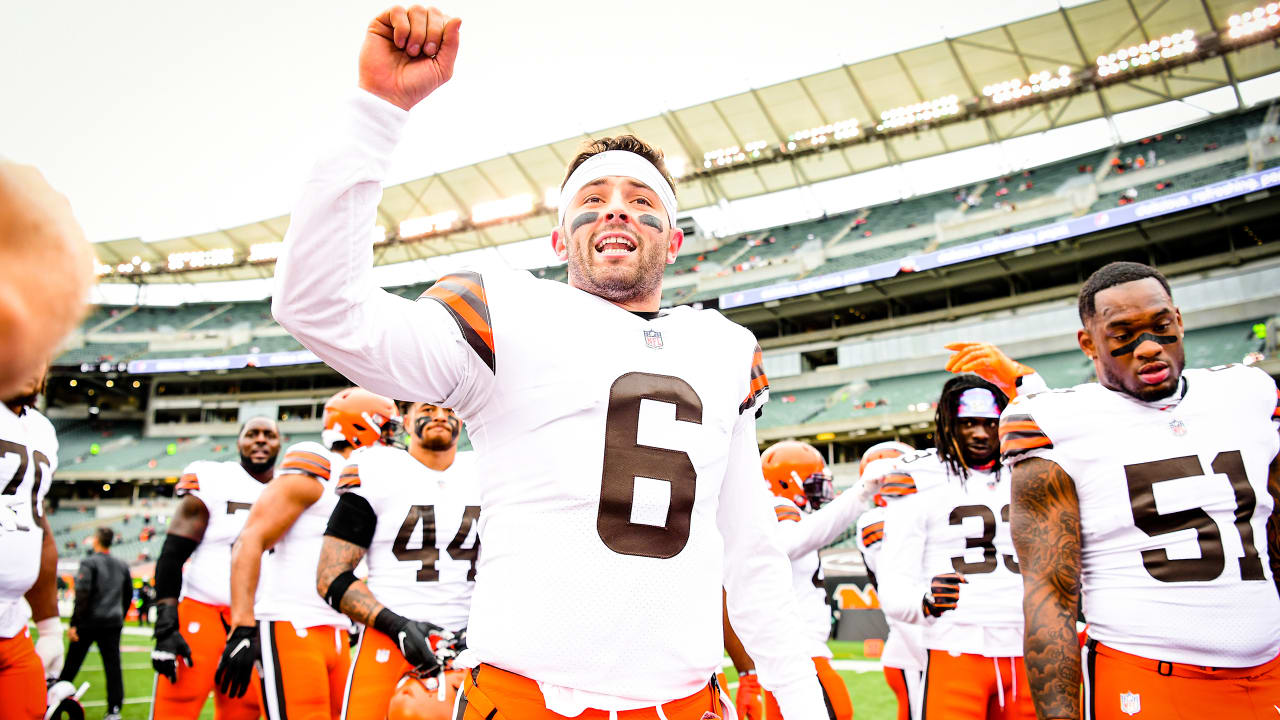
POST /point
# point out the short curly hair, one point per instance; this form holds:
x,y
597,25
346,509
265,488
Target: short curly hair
x,y
1110,275
629,143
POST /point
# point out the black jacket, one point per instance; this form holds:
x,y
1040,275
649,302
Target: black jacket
x,y
104,589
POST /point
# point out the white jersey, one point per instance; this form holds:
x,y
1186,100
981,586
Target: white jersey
x,y
422,561
228,492
1173,510
808,587
949,525
616,453
28,458
287,581
904,648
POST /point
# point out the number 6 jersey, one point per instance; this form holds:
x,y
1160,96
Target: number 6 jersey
x,y
422,560
1173,510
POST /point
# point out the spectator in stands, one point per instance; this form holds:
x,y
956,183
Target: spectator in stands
x,y
104,589
46,268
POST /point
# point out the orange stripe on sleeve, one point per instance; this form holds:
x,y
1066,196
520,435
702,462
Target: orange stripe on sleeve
x,y
307,462
187,483
759,382
1027,443
350,478
463,295
787,513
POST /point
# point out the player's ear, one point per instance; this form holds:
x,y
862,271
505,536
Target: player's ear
x,y
559,244
674,244
1177,317
1085,341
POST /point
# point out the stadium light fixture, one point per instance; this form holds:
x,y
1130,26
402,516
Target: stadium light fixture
x,y
721,157
677,165
196,259
380,235
819,135
513,206
429,225
99,269
1256,21
1016,89
551,198
1142,54
921,112
264,252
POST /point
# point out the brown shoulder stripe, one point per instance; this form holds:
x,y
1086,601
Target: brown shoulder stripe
x,y
350,478
897,484
1020,433
872,533
462,294
307,462
187,483
759,382
787,513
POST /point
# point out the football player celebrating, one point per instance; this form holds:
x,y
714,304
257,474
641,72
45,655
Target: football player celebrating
x,y
810,517
302,642
950,562
904,655
1152,495
191,633
660,500
413,518
30,455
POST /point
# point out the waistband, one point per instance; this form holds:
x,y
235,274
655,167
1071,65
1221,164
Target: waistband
x,y
496,685
1183,670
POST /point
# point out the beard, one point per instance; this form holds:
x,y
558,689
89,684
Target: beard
x,y
618,284
434,442
255,468
23,401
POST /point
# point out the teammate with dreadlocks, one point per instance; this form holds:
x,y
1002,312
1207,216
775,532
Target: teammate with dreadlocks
x,y
946,528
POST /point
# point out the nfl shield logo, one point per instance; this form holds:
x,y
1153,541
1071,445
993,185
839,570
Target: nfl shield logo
x,y
1130,703
1178,427
653,339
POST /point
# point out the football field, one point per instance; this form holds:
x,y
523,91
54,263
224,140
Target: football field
x,y
871,697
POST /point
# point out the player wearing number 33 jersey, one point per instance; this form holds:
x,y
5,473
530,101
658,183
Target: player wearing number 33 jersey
x,y
616,453
1168,471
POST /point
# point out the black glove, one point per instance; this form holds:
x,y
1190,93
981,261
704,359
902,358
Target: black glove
x,y
411,637
944,593
240,655
170,645
460,641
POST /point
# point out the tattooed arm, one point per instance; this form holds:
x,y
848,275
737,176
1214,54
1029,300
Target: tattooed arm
x,y
336,557
1046,535
1273,522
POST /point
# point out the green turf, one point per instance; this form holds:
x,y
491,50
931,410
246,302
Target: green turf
x,y
872,699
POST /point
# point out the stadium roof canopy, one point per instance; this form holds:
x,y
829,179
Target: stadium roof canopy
x,y
767,118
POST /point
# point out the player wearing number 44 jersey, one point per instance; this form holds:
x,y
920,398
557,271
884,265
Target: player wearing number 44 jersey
x,y
616,452
191,633
1150,495
281,622
412,516
952,567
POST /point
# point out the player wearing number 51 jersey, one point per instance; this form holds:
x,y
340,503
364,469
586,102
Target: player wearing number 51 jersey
x,y
412,517
1151,496
617,460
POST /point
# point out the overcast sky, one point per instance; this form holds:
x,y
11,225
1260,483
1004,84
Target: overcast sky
x,y
161,118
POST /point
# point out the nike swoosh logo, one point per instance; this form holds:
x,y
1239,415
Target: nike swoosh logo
x,y
243,644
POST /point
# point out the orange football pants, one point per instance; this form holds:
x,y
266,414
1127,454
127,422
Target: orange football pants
x,y
897,679
204,627
973,686
21,678
1120,685
834,693
304,670
377,668
492,694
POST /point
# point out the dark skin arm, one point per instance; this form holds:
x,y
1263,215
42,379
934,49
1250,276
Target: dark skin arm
x,y
732,645
336,557
190,521
1045,523
43,595
1273,522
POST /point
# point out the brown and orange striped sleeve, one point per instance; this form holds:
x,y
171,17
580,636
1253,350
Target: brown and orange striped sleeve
x,y
462,294
305,462
759,384
1020,434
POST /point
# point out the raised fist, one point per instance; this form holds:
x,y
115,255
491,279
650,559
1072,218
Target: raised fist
x,y
407,54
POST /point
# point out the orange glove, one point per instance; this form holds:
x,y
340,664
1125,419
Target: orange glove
x,y
989,363
748,701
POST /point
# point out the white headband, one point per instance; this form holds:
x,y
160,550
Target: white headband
x,y
625,164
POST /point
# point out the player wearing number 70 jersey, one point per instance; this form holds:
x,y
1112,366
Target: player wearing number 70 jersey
x,y
412,517
1151,496
617,461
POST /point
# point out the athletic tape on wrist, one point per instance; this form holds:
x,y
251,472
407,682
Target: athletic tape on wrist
x,y
338,588
624,164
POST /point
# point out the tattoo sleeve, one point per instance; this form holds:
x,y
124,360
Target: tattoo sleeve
x,y
1046,535
1273,522
339,556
